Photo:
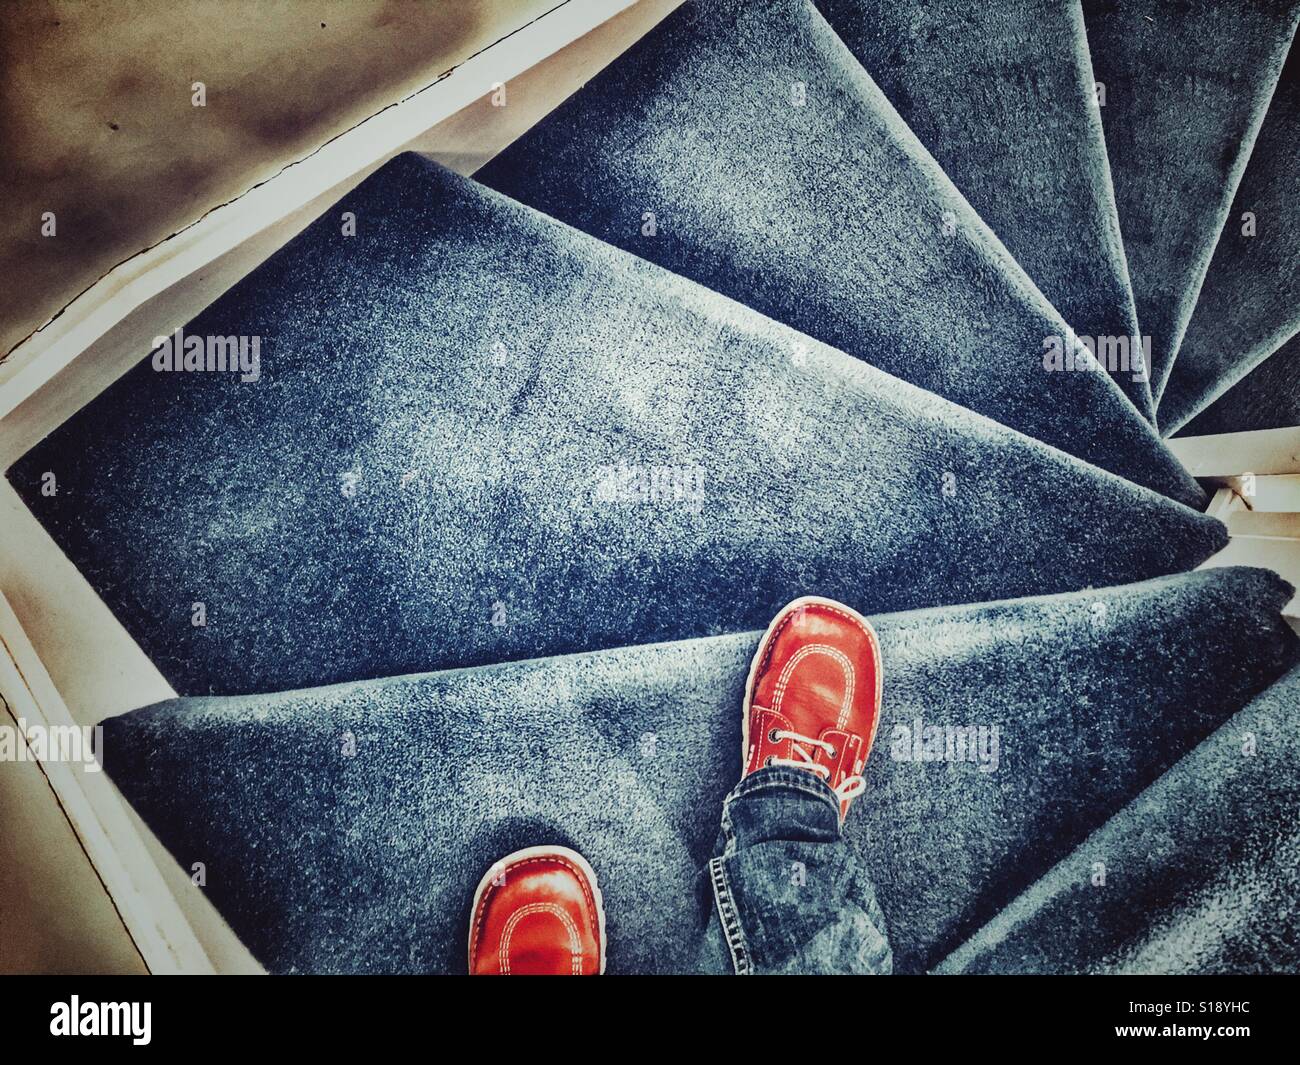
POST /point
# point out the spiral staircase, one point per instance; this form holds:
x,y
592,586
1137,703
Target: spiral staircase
x,y
768,308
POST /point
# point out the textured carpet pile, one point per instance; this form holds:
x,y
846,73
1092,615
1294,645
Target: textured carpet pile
x,y
480,435
1001,93
325,860
474,556
1187,86
1266,398
1249,306
1199,874
802,193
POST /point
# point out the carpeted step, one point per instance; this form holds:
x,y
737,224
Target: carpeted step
x,y
799,191
1249,305
481,435
1199,874
344,829
1187,86
1266,398
1001,93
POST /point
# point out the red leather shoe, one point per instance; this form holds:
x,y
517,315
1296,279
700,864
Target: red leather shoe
x,y
813,697
538,913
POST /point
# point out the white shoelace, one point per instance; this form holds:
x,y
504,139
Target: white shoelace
x,y
848,788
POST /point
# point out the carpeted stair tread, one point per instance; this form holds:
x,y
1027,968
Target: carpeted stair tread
x,y
1201,870
1001,93
800,192
344,829
1266,398
479,376
1249,305
1187,86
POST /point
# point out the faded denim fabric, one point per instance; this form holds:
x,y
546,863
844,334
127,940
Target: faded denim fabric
x,y
788,896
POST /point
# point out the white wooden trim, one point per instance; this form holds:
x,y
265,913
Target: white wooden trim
x,y
1263,519
1224,504
1264,524
99,816
1268,494
1264,451
88,668
96,667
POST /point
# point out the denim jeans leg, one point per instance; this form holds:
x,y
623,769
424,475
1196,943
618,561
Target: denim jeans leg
x,y
787,895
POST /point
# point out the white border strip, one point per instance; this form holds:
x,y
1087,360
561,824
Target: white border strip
x,y
94,807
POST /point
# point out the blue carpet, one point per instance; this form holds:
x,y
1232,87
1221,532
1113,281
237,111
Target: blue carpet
x,y
497,392
1202,870
1267,398
1249,305
1187,85
1001,93
826,214
477,558
343,829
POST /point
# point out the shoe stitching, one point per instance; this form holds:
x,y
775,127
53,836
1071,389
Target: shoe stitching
x,y
854,621
834,653
575,941
732,933
550,859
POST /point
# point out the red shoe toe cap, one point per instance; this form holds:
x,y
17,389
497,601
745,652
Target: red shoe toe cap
x,y
536,913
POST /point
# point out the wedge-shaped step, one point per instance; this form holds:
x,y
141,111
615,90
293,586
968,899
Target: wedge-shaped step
x,y
1266,398
1002,95
481,435
345,828
1186,88
1199,874
1249,305
740,144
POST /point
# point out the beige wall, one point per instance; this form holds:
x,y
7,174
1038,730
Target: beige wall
x,y
97,123
55,916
